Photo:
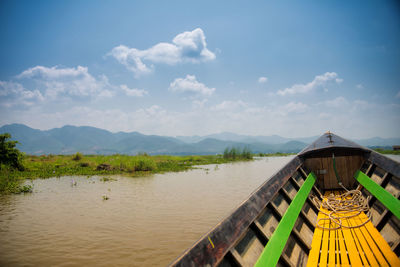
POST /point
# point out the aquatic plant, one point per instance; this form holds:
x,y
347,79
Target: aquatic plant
x,y
26,189
107,179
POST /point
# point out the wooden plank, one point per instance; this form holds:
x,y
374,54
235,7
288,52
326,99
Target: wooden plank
x,y
374,248
364,246
348,243
390,256
368,171
350,247
323,259
327,176
387,199
313,256
337,247
332,247
356,254
344,258
275,246
325,239
315,164
236,256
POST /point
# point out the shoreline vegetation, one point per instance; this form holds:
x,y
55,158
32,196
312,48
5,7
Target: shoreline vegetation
x,y
46,166
387,151
16,167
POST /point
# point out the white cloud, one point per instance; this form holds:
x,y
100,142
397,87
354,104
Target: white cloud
x,y
262,80
295,107
188,46
190,84
9,88
362,105
229,105
133,92
13,94
324,115
360,86
398,94
199,103
71,82
338,102
319,81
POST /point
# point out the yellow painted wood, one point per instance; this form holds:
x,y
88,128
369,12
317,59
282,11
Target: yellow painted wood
x,y
364,247
371,243
360,246
352,248
313,257
337,246
332,247
390,256
343,251
323,259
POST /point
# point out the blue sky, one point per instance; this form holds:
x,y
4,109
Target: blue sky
x,y
292,68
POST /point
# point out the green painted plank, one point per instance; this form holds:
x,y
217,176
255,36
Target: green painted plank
x,y
275,246
387,199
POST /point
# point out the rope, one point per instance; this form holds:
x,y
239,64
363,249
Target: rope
x,y
339,207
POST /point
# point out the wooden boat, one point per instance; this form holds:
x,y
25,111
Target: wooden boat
x,y
277,224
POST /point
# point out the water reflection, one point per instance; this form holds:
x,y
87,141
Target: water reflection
x,y
146,221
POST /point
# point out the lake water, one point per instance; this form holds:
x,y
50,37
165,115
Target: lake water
x,y
147,221
394,157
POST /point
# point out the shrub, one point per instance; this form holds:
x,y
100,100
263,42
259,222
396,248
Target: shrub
x,y
145,164
77,157
9,155
237,153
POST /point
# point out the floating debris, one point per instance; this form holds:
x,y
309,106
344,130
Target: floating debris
x,y
107,179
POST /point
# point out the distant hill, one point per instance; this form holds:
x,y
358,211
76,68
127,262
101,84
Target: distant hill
x,y
91,140
226,136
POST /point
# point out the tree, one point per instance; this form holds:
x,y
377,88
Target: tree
x,y
9,154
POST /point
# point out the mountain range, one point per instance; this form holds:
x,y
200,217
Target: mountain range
x,y
91,140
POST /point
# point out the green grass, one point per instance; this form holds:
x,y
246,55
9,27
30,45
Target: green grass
x,y
60,165
387,151
277,154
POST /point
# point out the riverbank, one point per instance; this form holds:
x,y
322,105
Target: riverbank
x,y
61,165
387,151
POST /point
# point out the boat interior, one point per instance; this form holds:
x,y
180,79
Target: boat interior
x,y
336,203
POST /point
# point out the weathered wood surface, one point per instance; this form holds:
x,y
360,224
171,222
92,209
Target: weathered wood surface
x,y
227,232
346,166
385,163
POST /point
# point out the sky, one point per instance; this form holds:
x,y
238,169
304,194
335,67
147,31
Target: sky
x,y
291,68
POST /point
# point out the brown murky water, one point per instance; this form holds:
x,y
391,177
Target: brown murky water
x,y
146,221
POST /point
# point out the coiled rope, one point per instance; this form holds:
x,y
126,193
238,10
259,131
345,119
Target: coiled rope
x,y
342,207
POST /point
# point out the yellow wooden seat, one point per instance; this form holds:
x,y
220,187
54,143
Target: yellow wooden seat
x,y
359,246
